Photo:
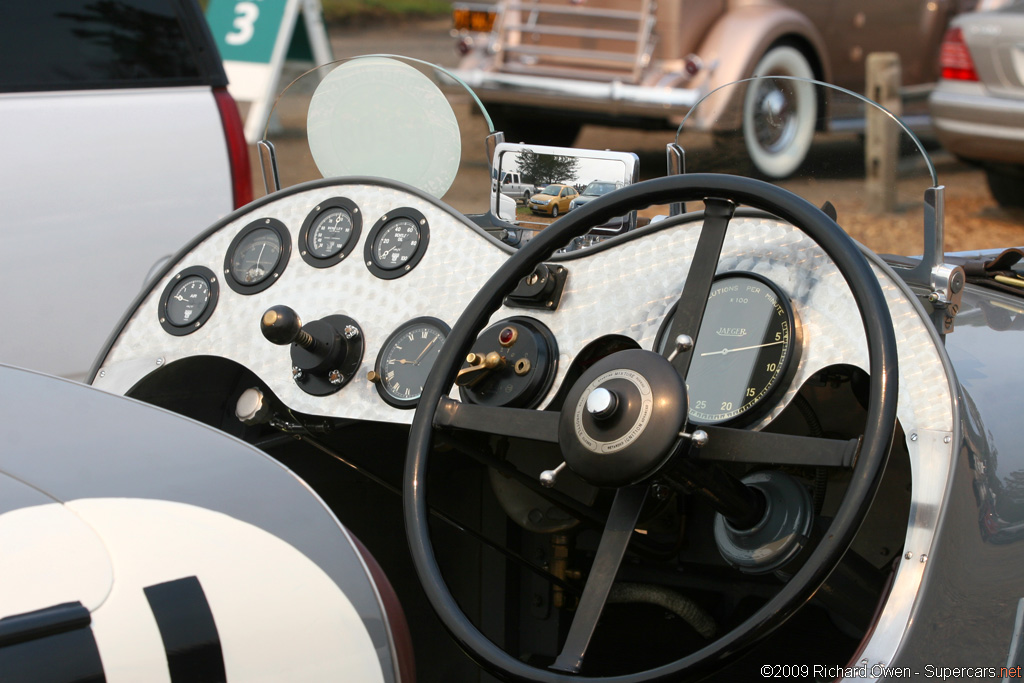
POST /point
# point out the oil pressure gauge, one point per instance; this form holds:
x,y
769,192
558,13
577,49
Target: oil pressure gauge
x,y
396,243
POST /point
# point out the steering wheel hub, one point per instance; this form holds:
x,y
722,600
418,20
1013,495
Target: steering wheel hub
x,y
622,418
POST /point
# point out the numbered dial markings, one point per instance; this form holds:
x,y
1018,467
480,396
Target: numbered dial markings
x,y
188,300
257,256
329,232
396,243
746,343
406,358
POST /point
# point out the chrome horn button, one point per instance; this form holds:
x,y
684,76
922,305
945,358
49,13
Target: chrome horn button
x,y
622,418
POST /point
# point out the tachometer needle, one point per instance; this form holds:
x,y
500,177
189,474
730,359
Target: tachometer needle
x,y
742,348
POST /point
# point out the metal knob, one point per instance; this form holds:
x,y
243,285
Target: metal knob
x,y
683,343
601,403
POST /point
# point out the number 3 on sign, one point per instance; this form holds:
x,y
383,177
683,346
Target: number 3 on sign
x,y
246,14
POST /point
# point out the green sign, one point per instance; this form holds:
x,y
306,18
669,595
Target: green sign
x,y
246,30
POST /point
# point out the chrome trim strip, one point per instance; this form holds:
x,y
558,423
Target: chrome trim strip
x,y
569,89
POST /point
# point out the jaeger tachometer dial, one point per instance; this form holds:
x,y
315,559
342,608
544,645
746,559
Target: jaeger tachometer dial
x,y
405,360
745,345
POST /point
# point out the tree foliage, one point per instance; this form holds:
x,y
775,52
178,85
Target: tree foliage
x,y
544,169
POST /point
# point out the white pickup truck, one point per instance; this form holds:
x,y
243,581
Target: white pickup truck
x,y
120,140
512,185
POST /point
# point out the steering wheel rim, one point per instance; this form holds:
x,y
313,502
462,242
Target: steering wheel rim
x,y
878,434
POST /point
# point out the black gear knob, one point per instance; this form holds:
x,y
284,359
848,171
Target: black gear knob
x,y
281,325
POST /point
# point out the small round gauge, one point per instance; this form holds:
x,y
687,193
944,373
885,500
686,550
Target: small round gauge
x,y
746,343
330,232
396,243
257,256
405,360
188,300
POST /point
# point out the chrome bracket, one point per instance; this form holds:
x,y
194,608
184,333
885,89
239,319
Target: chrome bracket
x,y
268,166
941,284
675,159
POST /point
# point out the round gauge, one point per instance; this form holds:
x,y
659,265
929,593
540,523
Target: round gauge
x,y
188,300
257,256
746,343
330,232
396,243
405,360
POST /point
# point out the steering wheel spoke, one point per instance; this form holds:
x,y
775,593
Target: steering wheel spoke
x,y
617,531
727,444
539,425
689,309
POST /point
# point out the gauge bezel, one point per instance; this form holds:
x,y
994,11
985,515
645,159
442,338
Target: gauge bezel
x,y
370,250
282,262
391,400
311,220
211,284
765,402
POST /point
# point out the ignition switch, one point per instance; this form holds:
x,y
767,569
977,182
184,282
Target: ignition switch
x,y
512,363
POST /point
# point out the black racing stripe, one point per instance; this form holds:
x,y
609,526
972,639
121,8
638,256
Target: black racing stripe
x,y
189,633
51,644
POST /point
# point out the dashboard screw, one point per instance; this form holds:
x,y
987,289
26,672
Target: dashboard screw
x,y
296,372
334,377
351,332
908,556
913,437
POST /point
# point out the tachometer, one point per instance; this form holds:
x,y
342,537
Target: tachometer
x,y
746,344
405,360
330,232
257,256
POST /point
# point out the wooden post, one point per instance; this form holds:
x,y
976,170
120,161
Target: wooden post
x,y
881,151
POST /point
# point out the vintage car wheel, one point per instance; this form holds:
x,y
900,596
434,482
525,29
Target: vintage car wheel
x,y
436,411
779,115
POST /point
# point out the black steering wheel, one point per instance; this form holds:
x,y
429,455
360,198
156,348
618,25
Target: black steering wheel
x,y
436,411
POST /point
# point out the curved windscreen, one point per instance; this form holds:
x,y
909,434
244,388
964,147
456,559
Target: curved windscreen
x,y
825,144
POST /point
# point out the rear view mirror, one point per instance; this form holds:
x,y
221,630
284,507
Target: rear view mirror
x,y
547,182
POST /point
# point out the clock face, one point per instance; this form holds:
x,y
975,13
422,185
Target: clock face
x,y
406,359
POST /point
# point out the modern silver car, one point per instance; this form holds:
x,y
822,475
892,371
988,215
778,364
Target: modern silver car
x,y
978,106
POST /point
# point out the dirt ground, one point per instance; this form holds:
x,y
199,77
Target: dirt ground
x,y
973,219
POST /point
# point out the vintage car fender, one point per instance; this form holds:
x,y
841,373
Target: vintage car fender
x,y
742,36
138,544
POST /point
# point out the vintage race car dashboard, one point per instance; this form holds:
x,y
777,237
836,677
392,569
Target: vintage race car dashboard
x,y
336,296
392,269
